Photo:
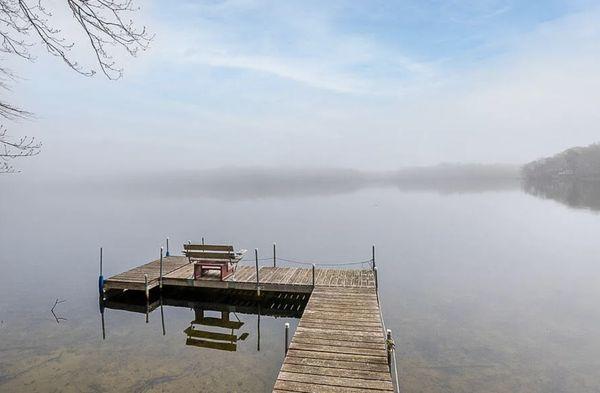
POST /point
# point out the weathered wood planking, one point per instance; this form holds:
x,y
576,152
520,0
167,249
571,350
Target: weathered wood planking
x,y
134,278
339,345
177,271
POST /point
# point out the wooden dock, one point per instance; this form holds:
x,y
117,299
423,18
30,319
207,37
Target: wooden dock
x,y
339,344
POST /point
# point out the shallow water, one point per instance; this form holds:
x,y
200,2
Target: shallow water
x,y
486,288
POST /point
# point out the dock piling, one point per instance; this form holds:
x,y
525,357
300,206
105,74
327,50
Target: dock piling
x,y
101,277
167,254
313,275
287,335
376,280
160,277
389,346
373,256
256,263
274,255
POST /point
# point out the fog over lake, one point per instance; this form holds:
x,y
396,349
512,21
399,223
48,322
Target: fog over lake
x,y
478,278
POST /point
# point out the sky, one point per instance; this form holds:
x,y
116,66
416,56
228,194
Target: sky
x,y
375,85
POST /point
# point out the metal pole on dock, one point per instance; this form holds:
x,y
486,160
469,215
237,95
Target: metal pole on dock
x,y
389,344
256,262
373,257
376,281
161,266
313,274
391,352
274,255
167,254
101,277
287,334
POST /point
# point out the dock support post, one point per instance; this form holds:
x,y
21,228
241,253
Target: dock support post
x,y
101,277
287,335
161,266
373,256
274,255
257,278
167,254
313,275
376,280
146,287
202,240
389,346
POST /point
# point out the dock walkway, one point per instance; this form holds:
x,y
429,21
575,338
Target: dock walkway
x,y
339,344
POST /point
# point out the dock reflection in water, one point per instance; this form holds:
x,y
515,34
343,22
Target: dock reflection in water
x,y
218,316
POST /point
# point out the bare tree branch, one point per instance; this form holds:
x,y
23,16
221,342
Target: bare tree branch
x,y
9,150
25,23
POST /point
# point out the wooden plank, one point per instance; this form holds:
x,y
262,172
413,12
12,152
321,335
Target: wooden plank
x,y
336,381
336,364
225,256
350,373
290,386
207,247
379,352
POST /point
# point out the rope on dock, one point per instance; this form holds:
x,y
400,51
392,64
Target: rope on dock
x,y
325,263
309,263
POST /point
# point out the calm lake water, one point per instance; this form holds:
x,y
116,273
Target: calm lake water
x,y
487,288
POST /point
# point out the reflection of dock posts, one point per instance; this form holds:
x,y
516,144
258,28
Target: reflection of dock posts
x,y
103,328
274,255
161,266
258,330
287,335
162,316
147,295
313,275
101,304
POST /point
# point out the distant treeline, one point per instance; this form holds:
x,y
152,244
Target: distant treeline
x,y
575,163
